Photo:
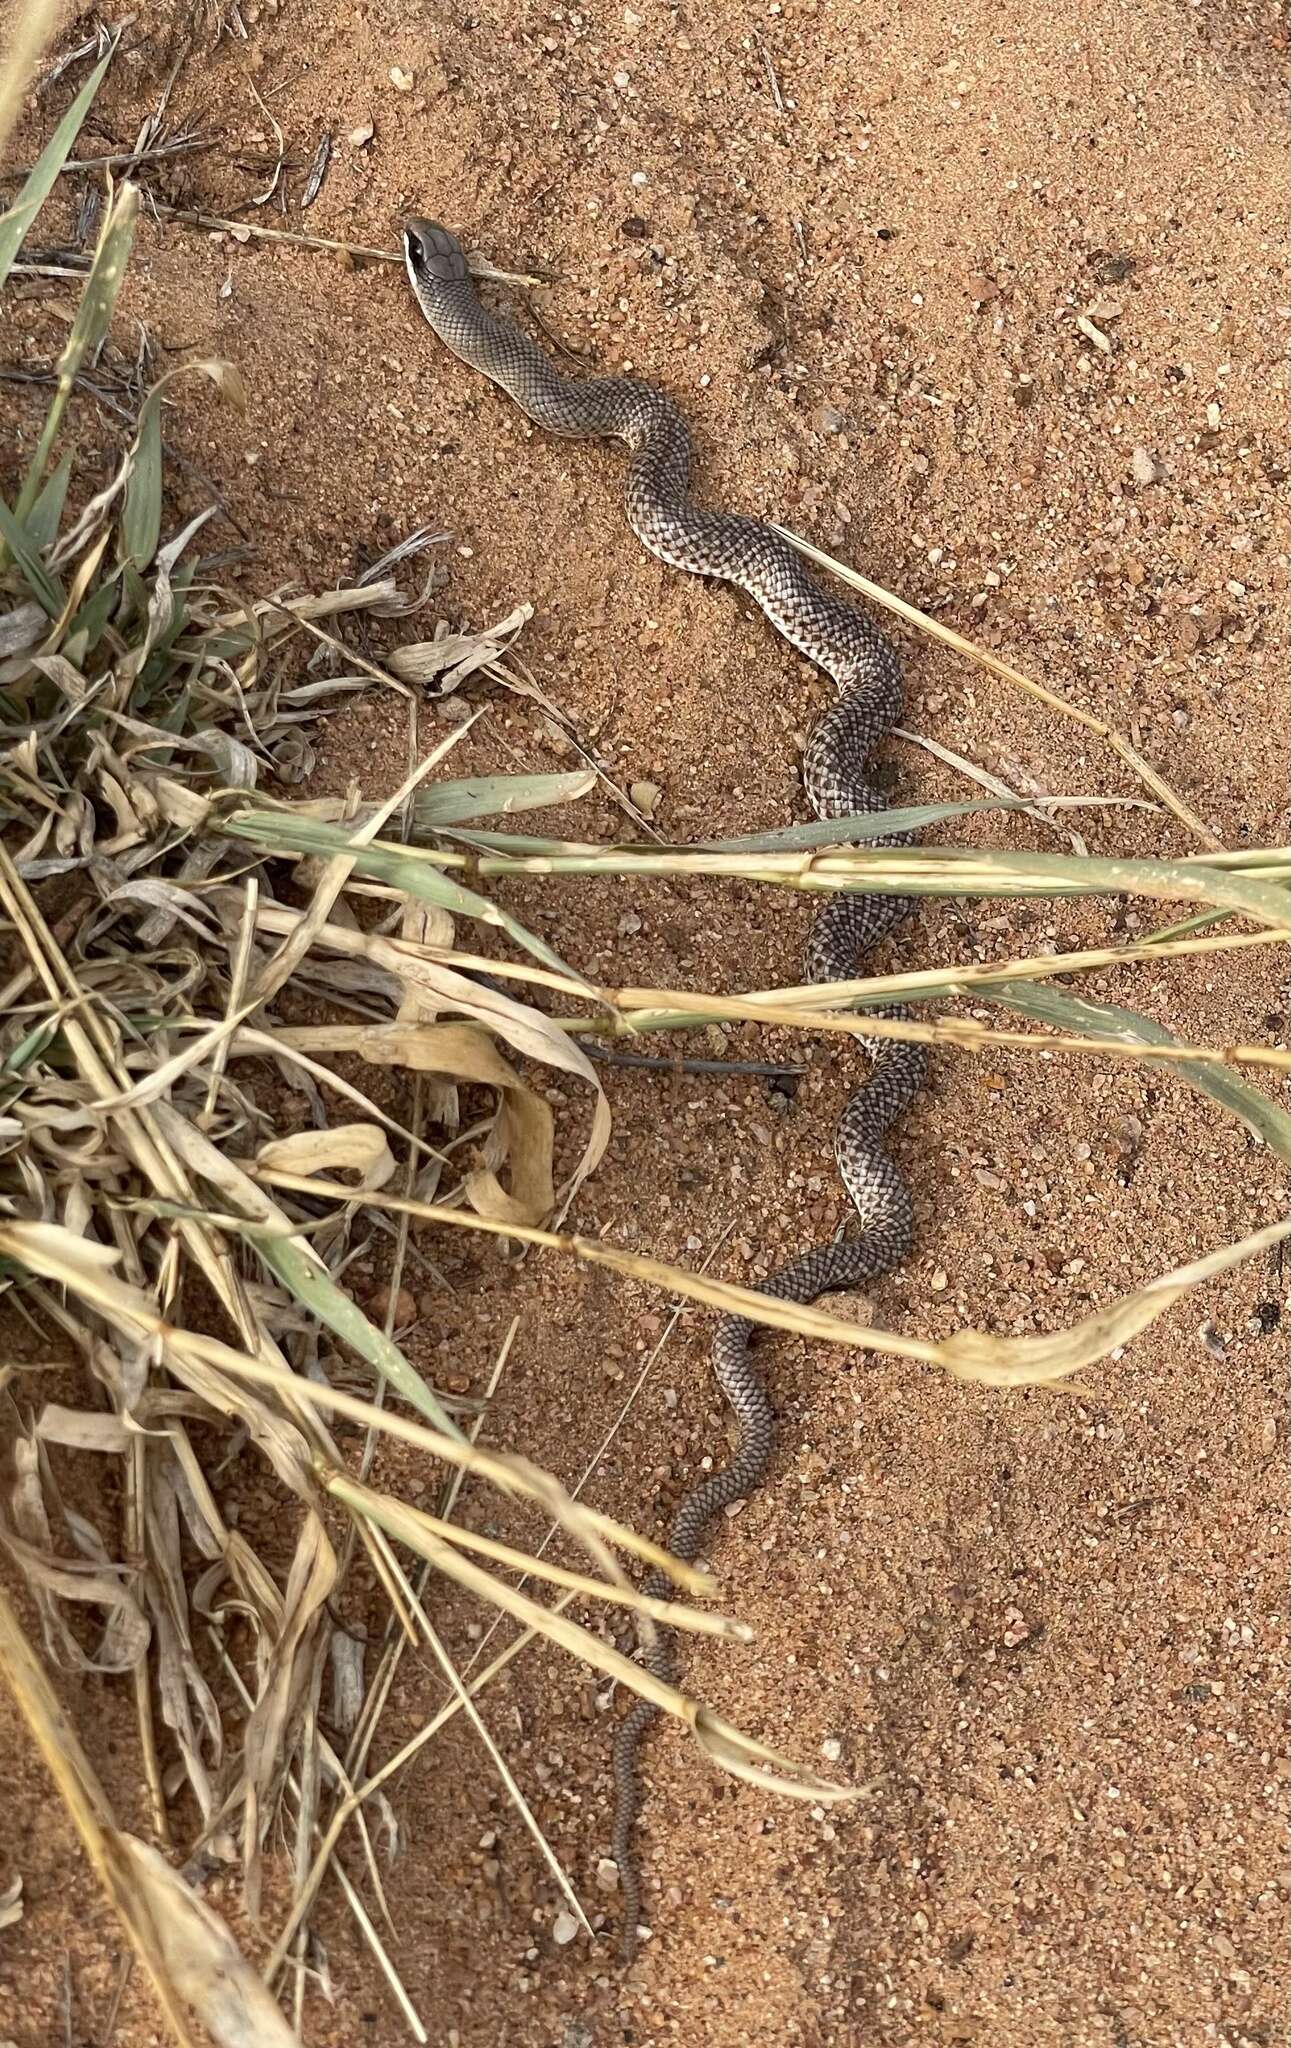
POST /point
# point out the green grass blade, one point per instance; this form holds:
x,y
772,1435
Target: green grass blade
x,y
403,868
45,588
1080,1014
87,627
42,522
88,329
788,838
141,512
875,825
15,223
346,1320
492,796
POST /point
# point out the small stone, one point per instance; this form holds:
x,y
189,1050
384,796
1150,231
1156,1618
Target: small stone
x,y
1188,633
1094,334
405,1307
832,421
645,795
940,1280
564,1928
623,80
1145,466
402,81
607,1874
831,1749
362,135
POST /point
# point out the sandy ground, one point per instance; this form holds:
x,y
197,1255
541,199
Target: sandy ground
x,y
1048,1634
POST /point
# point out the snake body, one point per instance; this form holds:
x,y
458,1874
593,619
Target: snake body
x,y
845,643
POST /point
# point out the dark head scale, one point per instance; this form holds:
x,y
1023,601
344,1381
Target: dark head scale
x,y
433,256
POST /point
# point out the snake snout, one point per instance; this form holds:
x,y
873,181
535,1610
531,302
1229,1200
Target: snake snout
x,y
433,255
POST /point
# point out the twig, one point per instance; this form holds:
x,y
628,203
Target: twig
x,y
189,216
772,80
45,270
125,159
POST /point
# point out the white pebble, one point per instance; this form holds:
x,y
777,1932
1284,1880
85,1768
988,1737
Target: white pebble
x,y
564,1929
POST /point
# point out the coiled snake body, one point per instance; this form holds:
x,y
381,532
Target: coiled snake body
x,y
844,642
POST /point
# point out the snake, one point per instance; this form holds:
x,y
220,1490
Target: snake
x,y
843,641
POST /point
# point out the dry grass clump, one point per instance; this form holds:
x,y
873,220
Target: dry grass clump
x,y
164,1233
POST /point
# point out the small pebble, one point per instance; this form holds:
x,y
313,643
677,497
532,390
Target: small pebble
x,y
1094,334
645,795
564,1928
1145,466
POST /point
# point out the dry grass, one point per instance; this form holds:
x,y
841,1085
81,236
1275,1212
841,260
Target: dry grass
x,y
160,1231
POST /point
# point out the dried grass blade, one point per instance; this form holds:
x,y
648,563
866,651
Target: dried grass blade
x,y
488,796
91,1815
1016,1361
202,1959
499,1762
427,1534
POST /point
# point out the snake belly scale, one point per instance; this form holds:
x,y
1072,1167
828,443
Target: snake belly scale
x,y
844,642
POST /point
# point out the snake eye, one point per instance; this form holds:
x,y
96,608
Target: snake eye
x,y
414,247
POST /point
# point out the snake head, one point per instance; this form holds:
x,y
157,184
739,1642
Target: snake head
x,y
434,258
